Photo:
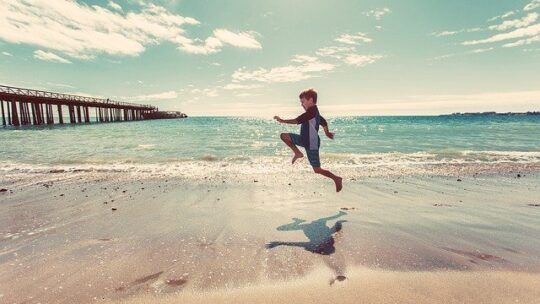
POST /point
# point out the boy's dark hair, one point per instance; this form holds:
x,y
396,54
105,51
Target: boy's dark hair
x,y
309,93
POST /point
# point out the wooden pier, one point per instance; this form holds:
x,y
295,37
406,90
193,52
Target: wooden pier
x,y
33,107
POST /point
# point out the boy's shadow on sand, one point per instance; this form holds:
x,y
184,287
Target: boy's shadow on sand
x,y
321,237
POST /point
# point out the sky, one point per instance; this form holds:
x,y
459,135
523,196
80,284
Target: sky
x,y
253,58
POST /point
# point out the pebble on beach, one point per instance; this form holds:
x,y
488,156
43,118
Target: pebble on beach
x,y
442,205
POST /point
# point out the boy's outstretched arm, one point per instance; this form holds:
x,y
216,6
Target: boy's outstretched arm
x,y
324,124
286,121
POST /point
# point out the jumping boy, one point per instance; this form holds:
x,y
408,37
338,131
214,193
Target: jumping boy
x,y
309,138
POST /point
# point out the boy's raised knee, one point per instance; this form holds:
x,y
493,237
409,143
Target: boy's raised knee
x,y
284,136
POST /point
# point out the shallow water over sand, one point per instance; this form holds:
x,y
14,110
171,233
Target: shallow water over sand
x,y
395,139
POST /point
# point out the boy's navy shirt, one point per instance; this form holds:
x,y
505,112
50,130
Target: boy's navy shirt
x,y
310,120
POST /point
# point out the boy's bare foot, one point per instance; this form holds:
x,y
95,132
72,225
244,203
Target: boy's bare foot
x,y
297,156
339,183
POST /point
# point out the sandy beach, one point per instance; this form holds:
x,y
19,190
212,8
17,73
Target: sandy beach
x,y
269,152
117,237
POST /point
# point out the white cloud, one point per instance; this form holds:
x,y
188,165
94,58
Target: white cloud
x,y
242,40
377,13
236,86
60,85
210,92
529,31
302,67
522,42
353,39
361,60
214,43
85,94
443,57
348,55
7,54
48,56
81,31
516,23
451,33
151,97
477,51
444,33
304,58
114,6
289,73
474,29
503,16
246,95
523,29
532,5
334,51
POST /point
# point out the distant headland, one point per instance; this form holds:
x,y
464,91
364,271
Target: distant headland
x,y
493,114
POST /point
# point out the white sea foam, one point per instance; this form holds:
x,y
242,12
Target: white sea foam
x,y
351,165
146,147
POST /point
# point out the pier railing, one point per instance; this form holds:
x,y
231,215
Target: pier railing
x,y
20,106
7,91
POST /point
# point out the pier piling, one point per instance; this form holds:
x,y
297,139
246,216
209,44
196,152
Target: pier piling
x,y
3,115
15,117
60,117
9,113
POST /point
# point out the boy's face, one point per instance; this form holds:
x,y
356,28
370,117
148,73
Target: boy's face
x,y
306,103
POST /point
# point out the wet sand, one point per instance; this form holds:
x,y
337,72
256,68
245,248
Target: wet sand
x,y
80,237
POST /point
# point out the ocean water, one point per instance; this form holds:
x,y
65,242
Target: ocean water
x,y
254,142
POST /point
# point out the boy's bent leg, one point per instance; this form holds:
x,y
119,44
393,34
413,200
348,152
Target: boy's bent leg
x,y
337,180
286,137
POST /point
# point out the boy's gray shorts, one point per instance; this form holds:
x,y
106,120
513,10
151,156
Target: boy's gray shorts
x,y
312,155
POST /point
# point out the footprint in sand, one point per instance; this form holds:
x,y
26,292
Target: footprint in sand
x,y
147,278
339,278
140,281
176,282
477,255
157,284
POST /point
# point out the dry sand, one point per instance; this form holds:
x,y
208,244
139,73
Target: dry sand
x,y
80,237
